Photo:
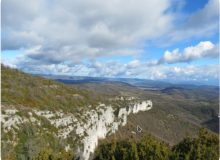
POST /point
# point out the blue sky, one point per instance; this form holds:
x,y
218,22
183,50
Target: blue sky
x,y
190,7
162,39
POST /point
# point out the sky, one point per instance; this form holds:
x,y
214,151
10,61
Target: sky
x,y
169,40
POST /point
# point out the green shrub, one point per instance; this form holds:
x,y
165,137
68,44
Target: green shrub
x,y
204,147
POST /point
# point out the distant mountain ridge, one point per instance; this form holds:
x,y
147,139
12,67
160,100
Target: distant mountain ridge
x,y
146,83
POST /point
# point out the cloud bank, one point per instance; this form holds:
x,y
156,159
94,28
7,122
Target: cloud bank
x,y
204,49
57,31
82,29
68,37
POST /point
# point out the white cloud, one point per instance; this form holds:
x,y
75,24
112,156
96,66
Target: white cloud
x,y
192,72
172,57
94,28
204,49
78,30
132,69
133,64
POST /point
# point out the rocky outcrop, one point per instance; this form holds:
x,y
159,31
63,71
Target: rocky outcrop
x,y
91,126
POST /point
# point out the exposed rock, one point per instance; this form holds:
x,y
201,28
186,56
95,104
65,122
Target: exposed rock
x,y
93,124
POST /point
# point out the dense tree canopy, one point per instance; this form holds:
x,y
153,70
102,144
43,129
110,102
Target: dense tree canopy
x,y
47,154
204,147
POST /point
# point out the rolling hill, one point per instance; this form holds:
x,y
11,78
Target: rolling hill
x,y
68,119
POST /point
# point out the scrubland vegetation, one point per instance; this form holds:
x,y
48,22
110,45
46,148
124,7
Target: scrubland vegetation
x,y
204,147
21,89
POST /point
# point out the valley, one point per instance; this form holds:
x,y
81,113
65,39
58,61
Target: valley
x,y
72,118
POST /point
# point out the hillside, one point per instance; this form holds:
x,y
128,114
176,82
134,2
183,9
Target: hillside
x,y
22,89
45,117
179,110
40,114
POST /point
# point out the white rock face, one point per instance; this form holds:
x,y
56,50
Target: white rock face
x,y
10,120
107,122
92,125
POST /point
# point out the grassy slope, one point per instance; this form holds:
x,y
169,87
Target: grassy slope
x,y
21,89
